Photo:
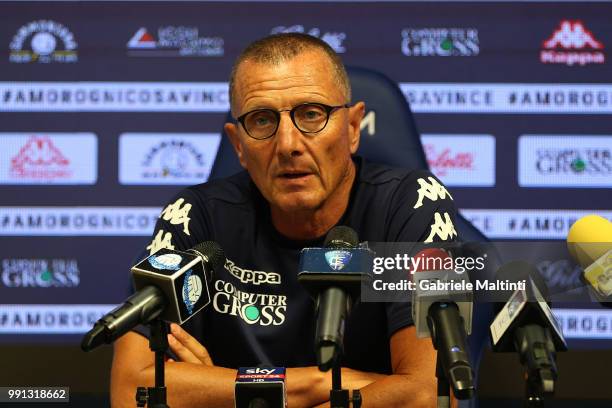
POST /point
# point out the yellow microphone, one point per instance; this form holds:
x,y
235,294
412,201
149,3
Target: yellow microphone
x,y
589,242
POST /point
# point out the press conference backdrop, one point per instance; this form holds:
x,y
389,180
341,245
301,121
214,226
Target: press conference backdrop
x,y
107,109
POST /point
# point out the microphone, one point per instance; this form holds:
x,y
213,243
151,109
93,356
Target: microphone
x,y
442,309
170,285
333,274
589,242
258,387
526,324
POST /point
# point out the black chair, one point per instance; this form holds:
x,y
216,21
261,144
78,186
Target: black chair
x,y
389,136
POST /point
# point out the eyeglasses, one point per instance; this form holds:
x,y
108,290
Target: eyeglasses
x,y
307,117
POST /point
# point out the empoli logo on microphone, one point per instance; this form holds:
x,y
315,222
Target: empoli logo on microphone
x,y
338,259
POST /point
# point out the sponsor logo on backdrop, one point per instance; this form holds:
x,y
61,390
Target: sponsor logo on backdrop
x,y
48,158
461,160
213,97
440,42
527,224
174,41
585,323
40,273
572,44
114,97
171,158
565,161
334,39
50,319
43,41
253,308
78,221
509,98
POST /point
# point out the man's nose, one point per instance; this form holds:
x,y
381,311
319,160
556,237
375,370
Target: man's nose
x,y
289,139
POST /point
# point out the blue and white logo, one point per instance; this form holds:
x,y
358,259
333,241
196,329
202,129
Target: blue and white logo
x,y
192,290
170,262
337,260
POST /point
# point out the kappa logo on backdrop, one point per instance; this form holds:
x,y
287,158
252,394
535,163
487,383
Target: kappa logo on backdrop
x,y
572,44
40,158
174,41
43,41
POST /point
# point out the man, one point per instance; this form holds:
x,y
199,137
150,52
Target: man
x,y
295,134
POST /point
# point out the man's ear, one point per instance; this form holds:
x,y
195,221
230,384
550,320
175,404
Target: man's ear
x,y
356,113
231,130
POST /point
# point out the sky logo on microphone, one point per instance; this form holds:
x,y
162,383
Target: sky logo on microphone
x,y
338,259
171,262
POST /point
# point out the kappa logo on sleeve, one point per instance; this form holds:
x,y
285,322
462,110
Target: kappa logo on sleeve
x,y
161,240
178,214
442,228
432,190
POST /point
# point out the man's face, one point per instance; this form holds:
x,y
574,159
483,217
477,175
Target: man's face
x,y
295,171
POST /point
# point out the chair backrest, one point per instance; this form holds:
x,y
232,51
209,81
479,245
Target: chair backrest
x,y
389,134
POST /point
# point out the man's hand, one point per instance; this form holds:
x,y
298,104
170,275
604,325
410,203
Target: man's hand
x,y
187,348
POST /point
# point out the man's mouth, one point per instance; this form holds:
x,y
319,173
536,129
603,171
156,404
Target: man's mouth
x,y
294,175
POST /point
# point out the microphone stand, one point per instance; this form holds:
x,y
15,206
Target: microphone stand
x,y
155,397
443,385
537,354
339,398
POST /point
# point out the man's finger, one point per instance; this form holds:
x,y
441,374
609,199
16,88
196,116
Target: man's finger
x,y
189,342
184,354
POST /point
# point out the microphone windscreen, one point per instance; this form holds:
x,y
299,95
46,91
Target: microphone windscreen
x,y
212,251
432,259
589,238
341,237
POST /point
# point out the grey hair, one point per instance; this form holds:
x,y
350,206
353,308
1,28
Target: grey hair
x,y
278,48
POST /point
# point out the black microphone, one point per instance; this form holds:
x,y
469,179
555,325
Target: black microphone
x,y
333,276
333,305
258,387
442,308
525,324
170,285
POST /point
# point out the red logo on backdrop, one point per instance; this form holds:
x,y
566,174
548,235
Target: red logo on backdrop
x,y
441,162
39,158
572,43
